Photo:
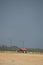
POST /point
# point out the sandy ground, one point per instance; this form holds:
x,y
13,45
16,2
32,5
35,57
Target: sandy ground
x,y
20,59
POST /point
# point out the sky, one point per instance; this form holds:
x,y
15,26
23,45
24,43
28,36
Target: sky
x,y
21,20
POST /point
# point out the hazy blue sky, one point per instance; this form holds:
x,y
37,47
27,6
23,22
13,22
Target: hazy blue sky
x,y
21,20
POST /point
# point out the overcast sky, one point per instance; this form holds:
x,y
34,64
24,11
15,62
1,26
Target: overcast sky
x,y
21,20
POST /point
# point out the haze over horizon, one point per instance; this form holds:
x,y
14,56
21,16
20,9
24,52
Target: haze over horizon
x,y
21,20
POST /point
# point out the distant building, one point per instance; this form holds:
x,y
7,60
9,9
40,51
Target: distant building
x,y
23,50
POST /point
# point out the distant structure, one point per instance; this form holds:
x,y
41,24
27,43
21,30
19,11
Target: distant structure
x,y
23,50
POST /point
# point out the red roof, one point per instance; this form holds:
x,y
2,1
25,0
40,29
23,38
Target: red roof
x,y
23,49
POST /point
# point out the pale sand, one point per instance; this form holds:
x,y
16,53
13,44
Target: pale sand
x,y
20,59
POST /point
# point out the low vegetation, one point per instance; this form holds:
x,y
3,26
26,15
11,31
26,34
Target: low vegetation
x,y
14,48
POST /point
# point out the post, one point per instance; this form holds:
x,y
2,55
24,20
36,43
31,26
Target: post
x,y
23,44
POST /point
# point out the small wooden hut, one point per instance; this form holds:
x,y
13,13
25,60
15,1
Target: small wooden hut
x,y
23,50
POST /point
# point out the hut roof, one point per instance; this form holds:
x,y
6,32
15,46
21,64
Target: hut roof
x,y
23,49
